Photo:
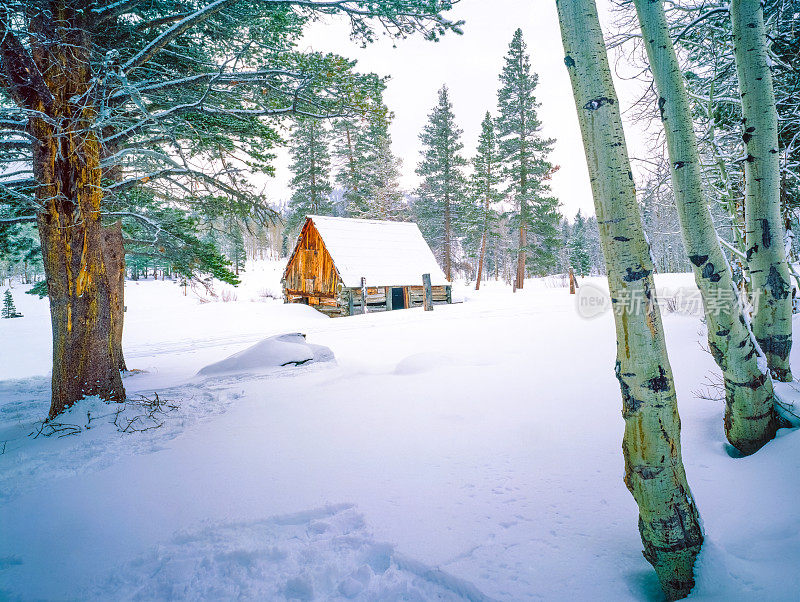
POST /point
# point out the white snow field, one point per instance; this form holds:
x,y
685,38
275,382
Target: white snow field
x,y
469,453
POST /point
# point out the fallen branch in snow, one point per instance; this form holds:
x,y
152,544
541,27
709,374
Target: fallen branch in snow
x,y
49,428
149,417
130,416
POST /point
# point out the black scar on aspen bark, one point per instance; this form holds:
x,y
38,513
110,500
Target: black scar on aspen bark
x,y
679,164
661,102
718,355
751,251
766,233
750,158
634,275
746,137
648,472
569,61
778,344
749,130
698,260
596,103
777,286
629,403
708,272
659,383
622,238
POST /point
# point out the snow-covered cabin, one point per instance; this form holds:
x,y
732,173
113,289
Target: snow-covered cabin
x,y
333,254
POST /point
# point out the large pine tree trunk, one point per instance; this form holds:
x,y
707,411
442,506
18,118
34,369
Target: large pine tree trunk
x,y
66,165
480,261
764,232
668,519
483,243
448,241
114,258
750,418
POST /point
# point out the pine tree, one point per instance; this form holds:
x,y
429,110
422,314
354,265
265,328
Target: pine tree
x,y
578,247
441,205
351,155
485,187
9,310
388,199
526,168
311,165
368,171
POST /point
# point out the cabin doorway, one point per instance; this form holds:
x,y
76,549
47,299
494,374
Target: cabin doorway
x,y
398,299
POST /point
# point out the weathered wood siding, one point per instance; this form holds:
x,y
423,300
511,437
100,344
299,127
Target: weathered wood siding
x,y
310,271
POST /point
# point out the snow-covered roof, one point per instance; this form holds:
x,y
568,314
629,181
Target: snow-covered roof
x,y
385,253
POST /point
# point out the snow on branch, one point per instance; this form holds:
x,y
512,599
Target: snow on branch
x,y
716,11
175,31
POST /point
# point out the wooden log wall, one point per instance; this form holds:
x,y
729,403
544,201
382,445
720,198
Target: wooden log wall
x,y
310,271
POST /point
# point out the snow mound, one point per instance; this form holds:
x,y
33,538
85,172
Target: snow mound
x,y
424,362
320,554
272,352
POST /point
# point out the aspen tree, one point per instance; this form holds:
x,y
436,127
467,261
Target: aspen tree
x,y
764,230
669,523
750,418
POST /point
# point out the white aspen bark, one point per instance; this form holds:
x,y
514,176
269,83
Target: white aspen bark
x,y
669,523
764,231
750,417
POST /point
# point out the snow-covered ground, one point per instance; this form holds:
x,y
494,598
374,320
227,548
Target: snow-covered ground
x,y
472,452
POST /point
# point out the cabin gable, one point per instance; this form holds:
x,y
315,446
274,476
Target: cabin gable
x,y
310,274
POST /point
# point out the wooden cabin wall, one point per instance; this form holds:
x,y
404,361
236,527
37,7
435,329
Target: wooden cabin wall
x,y
311,272
376,297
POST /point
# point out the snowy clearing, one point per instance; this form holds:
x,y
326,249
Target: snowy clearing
x,y
468,453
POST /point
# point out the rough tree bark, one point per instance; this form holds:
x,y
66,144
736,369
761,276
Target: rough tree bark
x,y
750,417
66,165
668,519
114,258
480,260
764,230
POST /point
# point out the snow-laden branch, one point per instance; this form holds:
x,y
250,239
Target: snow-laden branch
x,y
114,10
175,31
716,11
18,220
20,71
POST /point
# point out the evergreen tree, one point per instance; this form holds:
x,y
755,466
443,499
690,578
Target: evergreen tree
x,y
485,191
564,254
526,168
593,246
9,310
311,166
388,199
578,247
350,152
368,171
441,205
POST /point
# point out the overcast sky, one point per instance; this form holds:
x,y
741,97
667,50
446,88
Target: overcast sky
x,y
470,65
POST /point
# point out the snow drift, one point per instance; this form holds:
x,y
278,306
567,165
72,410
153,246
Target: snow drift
x,y
273,352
